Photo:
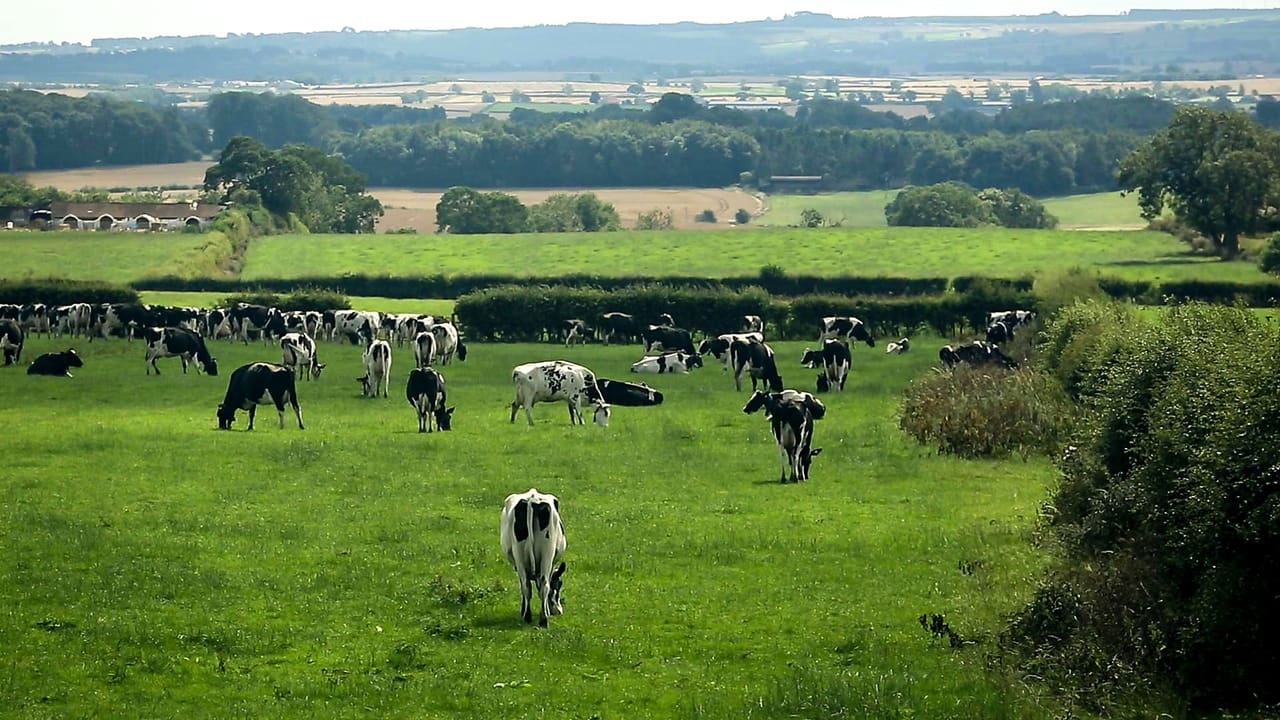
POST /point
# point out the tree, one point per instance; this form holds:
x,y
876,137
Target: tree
x,y
656,219
1016,209
464,211
811,218
594,97
1218,172
567,212
18,192
742,217
488,97
948,204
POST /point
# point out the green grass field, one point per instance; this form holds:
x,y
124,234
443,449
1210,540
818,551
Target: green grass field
x,y
157,567
910,252
391,305
866,209
116,257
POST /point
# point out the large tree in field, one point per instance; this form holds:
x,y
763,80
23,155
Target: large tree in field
x,y
1219,171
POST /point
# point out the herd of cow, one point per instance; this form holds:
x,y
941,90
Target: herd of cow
x,y
532,533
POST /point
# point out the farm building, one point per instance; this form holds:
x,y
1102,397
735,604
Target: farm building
x,y
127,216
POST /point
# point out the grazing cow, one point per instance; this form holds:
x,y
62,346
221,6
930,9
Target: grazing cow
x,y
977,352
295,321
1000,331
617,392
256,384
425,392
755,359
753,324
257,318
56,364
128,319
312,323
575,331
377,368
34,318
408,326
898,347
835,359
448,342
532,537
719,347
359,326
300,355
217,324
791,416
613,324
846,328
11,341
667,338
666,319
424,349
672,362
179,342
555,380
1012,317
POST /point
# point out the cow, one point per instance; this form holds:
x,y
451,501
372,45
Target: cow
x,y
425,392
753,324
56,364
1013,317
329,324
257,384
719,347
835,359
791,416
179,342
9,311
556,380
898,347
667,338
849,328
126,319
755,359
575,331
613,324
79,318
358,326
248,318
216,324
1000,331
424,349
666,319
377,368
408,326
300,355
672,362
617,392
11,341
34,318
977,352
448,342
295,321
532,537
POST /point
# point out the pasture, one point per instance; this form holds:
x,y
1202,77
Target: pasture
x,y
115,257
158,567
390,305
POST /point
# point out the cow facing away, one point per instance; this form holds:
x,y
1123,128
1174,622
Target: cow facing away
x,y
791,415
532,537
556,380
672,362
613,324
424,349
753,324
755,359
300,355
181,343
377,369
11,341
425,392
257,384
55,364
835,359
448,343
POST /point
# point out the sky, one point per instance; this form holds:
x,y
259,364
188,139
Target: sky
x,y
83,20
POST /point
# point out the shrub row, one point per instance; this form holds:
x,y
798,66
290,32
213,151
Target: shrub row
x,y
63,292
303,298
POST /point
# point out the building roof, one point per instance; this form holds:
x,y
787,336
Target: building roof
x,y
120,210
795,178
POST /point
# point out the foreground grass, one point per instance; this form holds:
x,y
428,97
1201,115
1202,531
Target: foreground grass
x,y
909,252
156,567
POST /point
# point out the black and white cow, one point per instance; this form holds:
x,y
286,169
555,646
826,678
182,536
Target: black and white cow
x,y
448,342
257,384
9,311
11,341
127,320
55,364
614,324
248,318
216,324
617,392
532,537
575,331
835,359
846,328
181,343
718,347
898,346
666,319
79,318
34,318
672,362
791,416
556,380
753,324
755,359
1000,331
667,338
377,369
425,392
978,352
1013,317
424,349
358,326
300,355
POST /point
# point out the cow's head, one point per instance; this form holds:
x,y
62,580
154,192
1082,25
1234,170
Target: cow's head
x,y
211,367
226,416
554,598
806,459
759,399
693,361
365,385
811,358
462,351
316,367
601,413
860,332
73,358
823,384
444,418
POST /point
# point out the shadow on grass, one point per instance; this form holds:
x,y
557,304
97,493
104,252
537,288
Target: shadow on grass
x,y
1181,259
504,621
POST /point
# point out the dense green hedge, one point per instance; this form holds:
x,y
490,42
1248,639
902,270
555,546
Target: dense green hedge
x,y
305,298
63,292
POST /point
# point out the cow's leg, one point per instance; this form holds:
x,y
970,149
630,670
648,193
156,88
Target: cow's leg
x,y
526,598
151,363
544,594
515,406
253,410
528,411
297,413
184,357
737,380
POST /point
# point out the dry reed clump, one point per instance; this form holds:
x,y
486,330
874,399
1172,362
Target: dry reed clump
x,y
987,412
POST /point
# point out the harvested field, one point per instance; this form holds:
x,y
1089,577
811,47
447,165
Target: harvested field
x,y
187,173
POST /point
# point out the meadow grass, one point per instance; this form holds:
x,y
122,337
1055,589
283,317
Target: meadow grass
x,y
431,306
908,252
117,257
157,567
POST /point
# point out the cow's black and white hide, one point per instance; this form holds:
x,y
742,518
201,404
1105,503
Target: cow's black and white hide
x,y
35,318
57,364
424,349
11,341
377,369
978,352
257,384
1000,331
753,324
666,319
667,338
575,331
791,418
557,380
835,359
1013,318
845,328
616,324
617,392
755,359
718,347
268,322
898,347
532,537
448,342
299,354
426,393
672,362
181,343
358,326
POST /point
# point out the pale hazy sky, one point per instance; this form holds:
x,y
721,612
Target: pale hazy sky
x,y
83,20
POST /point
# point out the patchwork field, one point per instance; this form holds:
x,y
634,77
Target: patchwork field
x,y
159,567
116,257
